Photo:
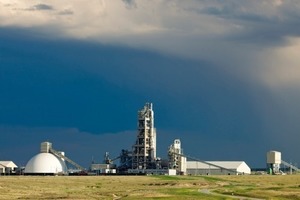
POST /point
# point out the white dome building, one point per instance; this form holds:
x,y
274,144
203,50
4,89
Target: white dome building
x,y
45,164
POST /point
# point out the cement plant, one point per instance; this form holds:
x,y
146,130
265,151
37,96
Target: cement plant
x,y
141,159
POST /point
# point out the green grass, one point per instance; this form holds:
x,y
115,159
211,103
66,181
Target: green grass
x,y
189,193
212,178
172,178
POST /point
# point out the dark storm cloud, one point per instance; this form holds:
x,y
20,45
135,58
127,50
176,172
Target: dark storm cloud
x,y
99,88
92,87
69,140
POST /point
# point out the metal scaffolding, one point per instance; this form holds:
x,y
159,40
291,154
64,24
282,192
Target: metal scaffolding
x,y
144,149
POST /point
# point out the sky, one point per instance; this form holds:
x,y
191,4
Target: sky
x,y
223,77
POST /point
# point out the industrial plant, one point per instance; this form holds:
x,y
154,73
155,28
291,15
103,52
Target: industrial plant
x,y
274,163
141,159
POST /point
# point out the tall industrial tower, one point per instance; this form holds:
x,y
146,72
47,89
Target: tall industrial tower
x,y
144,149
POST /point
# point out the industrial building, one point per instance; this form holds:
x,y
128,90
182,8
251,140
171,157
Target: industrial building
x,y
7,167
144,149
217,168
103,168
45,164
140,159
177,160
107,167
49,162
274,163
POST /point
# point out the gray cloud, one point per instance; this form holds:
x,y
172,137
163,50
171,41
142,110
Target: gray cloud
x,y
130,4
175,22
262,24
41,7
66,12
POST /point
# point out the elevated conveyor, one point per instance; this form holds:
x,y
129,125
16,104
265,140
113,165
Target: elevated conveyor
x,y
58,154
290,166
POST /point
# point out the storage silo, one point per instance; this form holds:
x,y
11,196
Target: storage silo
x,y
46,163
273,162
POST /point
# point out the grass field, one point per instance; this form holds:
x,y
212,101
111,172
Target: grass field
x,y
150,187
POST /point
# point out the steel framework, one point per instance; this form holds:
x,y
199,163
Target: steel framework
x,y
144,149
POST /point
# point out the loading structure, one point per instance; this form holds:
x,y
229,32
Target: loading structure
x,y
50,162
144,149
274,161
46,147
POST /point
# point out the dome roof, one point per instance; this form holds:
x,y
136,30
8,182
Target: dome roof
x,y
45,163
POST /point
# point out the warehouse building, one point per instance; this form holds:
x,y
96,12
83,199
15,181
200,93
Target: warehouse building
x,y
103,168
7,167
217,168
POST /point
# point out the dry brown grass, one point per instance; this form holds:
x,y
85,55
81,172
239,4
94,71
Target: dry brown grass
x,y
149,187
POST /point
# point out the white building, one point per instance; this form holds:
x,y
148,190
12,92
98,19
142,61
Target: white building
x,y
45,164
273,162
217,167
7,167
176,158
103,168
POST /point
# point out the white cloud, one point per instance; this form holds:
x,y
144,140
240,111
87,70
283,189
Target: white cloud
x,y
109,20
232,34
